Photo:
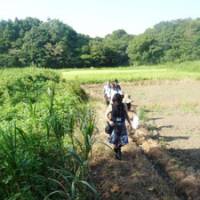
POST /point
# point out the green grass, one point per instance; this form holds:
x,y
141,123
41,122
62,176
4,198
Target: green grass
x,y
46,128
170,71
188,107
11,74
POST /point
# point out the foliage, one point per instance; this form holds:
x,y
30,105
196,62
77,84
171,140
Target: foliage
x,y
31,42
45,138
110,51
176,40
56,45
145,50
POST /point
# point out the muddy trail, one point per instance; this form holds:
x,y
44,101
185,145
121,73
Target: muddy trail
x,y
136,176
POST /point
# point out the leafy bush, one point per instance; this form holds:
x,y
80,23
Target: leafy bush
x,y
76,90
45,141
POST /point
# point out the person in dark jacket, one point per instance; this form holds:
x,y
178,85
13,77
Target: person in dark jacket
x,y
116,116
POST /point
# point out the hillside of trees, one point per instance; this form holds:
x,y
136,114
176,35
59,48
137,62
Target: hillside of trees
x,y
31,42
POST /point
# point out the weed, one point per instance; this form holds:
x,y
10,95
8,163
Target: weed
x,y
46,138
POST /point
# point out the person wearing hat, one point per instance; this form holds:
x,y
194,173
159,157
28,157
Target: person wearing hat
x,y
127,100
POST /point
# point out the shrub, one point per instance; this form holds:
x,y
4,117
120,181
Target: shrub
x,y
45,139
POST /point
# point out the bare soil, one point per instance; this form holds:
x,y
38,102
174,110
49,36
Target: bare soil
x,y
172,111
173,108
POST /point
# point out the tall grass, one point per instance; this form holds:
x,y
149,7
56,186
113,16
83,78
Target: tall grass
x,y
46,132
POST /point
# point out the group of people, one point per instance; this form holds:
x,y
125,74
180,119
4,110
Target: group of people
x,y
110,89
117,115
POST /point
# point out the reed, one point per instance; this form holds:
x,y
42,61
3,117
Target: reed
x,y
46,131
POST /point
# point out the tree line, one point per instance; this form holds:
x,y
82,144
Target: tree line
x,y
32,42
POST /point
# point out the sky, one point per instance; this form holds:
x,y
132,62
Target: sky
x,y
101,17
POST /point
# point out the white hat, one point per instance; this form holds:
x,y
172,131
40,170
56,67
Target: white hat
x,y
127,99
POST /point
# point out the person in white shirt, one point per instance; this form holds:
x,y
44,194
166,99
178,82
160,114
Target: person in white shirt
x,y
115,89
107,92
127,100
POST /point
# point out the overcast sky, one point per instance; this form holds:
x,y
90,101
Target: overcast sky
x,y
100,17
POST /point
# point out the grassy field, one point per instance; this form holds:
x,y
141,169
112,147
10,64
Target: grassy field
x,y
170,71
186,70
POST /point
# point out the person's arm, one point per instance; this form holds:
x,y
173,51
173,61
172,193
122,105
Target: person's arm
x,y
104,90
107,115
127,116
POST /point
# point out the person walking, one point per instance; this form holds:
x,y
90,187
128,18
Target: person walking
x,y
116,115
107,92
115,89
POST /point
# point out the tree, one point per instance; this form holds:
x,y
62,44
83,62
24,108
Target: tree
x,y
55,44
116,48
144,49
51,44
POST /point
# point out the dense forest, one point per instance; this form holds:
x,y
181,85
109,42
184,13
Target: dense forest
x,y
32,42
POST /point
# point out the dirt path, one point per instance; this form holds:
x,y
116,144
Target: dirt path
x,y
173,110
135,177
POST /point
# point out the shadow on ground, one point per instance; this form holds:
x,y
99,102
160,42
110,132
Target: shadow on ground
x,y
171,138
189,158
